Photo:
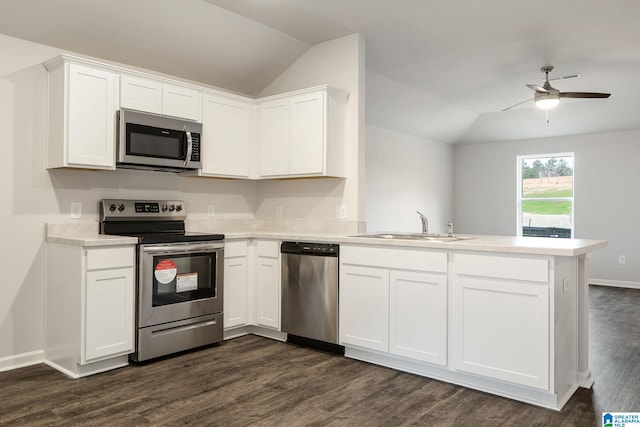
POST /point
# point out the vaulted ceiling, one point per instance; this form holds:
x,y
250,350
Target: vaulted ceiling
x,y
441,70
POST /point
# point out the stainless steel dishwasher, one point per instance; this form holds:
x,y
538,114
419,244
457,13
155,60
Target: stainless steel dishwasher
x,y
310,294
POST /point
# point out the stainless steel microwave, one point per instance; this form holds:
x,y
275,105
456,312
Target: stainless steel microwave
x,y
154,142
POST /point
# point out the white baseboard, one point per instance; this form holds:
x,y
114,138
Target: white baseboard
x,y
21,360
615,283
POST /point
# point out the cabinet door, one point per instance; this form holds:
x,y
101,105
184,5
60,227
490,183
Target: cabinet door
x,y
226,136
267,281
236,286
364,307
501,330
92,105
418,316
273,138
308,154
108,312
181,102
140,94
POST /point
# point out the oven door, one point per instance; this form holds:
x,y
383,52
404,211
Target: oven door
x,y
179,281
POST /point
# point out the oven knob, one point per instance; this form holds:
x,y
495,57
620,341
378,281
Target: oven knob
x,y
178,208
172,208
164,208
112,208
120,208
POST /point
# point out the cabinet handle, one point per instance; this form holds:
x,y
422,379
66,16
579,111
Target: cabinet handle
x,y
183,328
187,158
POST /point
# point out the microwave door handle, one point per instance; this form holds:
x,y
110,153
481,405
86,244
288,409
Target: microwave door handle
x,y
187,158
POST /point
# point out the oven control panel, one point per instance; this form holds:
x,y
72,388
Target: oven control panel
x,y
120,209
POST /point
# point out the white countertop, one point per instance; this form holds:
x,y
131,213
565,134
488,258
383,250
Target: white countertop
x,y
508,244
91,240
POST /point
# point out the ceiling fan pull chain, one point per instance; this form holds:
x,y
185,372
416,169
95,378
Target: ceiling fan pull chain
x,y
546,116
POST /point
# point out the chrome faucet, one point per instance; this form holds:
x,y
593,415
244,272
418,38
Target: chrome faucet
x,y
425,223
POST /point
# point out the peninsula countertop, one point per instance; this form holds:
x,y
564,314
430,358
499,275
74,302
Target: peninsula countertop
x,y
509,244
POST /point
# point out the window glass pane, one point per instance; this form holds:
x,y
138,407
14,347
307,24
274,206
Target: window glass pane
x,y
547,177
546,218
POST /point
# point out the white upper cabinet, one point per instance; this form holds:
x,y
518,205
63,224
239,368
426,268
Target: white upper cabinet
x,y
303,134
155,96
140,94
293,135
82,116
308,127
274,138
226,137
183,102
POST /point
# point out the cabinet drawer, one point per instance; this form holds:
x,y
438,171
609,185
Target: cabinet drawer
x,y
268,248
236,249
110,257
405,259
503,267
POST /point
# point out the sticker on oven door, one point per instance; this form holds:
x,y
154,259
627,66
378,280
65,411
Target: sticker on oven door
x,y
165,271
187,282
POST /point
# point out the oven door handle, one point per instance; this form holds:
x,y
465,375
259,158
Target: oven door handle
x,y
179,249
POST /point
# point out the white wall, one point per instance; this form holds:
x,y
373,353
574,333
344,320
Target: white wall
x,y
32,195
338,63
606,206
405,173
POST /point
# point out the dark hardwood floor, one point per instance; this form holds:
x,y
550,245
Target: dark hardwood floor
x,y
257,381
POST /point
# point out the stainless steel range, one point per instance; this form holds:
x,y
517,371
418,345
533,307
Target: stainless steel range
x,y
179,277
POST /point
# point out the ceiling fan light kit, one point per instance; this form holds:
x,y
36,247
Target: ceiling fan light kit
x,y
546,101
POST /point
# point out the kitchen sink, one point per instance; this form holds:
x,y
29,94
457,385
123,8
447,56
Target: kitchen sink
x,y
414,236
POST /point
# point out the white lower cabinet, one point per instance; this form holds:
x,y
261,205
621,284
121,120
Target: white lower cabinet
x,y
236,283
267,283
252,287
501,329
109,313
90,320
418,316
401,310
364,307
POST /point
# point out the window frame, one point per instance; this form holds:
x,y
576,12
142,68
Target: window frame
x,y
519,199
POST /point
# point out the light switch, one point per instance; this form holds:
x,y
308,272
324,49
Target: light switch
x,y
76,210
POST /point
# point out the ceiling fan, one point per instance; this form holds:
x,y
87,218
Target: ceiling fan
x,y
546,96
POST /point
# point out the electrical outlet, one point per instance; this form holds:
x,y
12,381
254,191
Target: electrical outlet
x,y
211,211
76,210
622,259
278,211
565,285
341,212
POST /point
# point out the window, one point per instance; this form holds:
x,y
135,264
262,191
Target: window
x,y
545,195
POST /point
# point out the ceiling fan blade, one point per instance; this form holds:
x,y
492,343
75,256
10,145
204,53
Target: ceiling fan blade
x,y
519,103
566,77
537,88
584,95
